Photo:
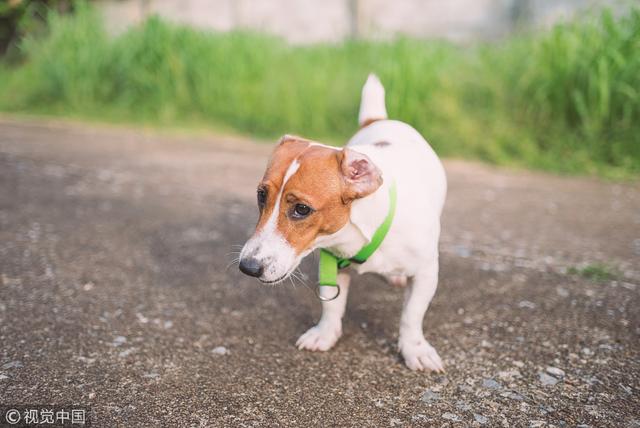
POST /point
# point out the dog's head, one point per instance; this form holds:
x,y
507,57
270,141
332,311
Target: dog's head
x,y
306,193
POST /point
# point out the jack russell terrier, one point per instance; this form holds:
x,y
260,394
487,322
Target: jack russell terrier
x,y
374,204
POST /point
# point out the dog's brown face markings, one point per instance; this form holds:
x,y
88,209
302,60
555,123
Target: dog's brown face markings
x,y
326,181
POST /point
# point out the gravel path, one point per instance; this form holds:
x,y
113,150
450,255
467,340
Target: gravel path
x,y
116,293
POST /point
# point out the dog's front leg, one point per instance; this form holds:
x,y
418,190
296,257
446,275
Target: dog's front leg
x,y
417,352
326,333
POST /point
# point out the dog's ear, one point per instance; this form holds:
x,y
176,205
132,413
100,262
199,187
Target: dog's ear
x,y
287,138
360,175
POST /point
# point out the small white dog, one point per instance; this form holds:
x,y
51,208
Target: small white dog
x,y
388,184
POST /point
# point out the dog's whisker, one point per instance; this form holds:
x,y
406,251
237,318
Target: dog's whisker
x,y
295,277
231,263
301,275
297,274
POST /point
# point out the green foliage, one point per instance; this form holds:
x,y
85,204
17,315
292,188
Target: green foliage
x,y
19,17
585,78
597,272
566,100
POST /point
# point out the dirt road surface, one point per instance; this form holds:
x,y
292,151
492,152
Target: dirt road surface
x,y
117,293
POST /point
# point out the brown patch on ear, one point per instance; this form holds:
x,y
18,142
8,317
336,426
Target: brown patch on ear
x,y
368,122
359,173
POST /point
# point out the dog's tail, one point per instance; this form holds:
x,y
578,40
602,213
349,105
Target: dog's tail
x,y
372,106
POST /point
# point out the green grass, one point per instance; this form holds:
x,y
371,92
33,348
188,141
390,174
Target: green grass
x,y
567,100
597,272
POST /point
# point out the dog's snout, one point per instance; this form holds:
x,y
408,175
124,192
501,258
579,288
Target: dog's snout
x,y
251,266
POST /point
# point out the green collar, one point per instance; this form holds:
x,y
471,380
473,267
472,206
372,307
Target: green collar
x,y
329,263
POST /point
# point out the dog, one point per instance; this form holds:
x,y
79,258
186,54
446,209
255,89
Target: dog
x,y
314,196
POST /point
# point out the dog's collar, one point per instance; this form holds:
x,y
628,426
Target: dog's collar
x,y
329,263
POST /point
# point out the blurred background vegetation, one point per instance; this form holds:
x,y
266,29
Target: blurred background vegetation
x,y
21,17
565,100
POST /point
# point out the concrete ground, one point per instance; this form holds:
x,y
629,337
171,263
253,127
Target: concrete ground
x,y
117,293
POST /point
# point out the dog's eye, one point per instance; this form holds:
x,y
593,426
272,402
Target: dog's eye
x,y
262,198
301,211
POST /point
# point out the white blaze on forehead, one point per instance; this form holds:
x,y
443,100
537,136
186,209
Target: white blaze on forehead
x,y
293,168
273,220
269,246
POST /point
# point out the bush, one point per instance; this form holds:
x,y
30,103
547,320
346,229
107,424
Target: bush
x,y
565,101
18,17
585,78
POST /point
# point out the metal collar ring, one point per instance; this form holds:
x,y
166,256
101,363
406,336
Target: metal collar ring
x,y
328,299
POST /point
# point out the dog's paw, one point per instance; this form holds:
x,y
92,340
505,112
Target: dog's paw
x,y
319,338
420,355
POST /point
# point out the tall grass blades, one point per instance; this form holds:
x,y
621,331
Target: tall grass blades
x,y
566,100
586,76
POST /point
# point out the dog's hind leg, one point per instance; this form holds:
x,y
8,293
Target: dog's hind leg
x,y
417,352
326,333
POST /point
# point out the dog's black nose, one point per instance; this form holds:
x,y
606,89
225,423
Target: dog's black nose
x,y
251,267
